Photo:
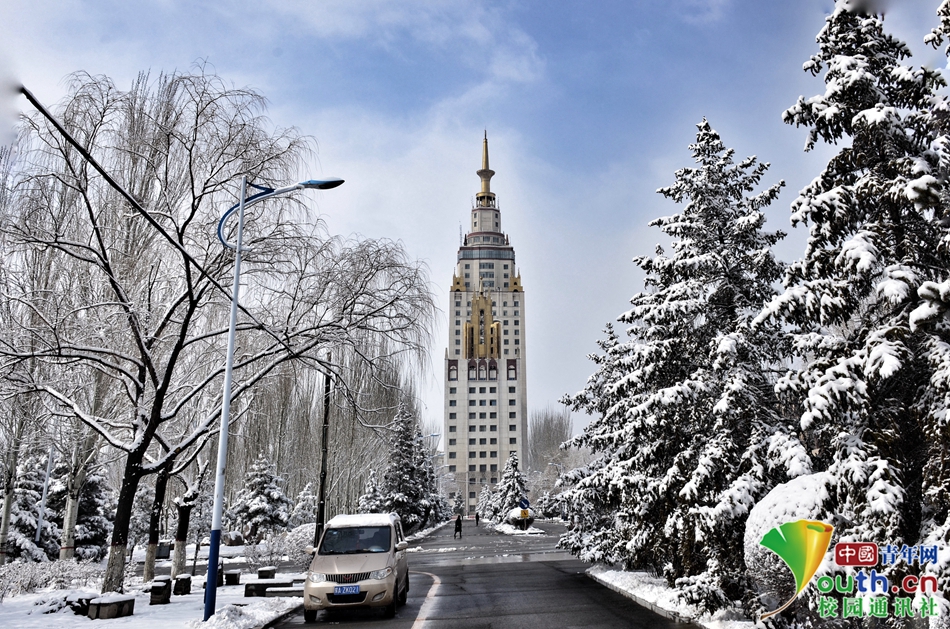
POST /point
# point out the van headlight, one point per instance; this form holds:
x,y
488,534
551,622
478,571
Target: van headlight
x,y
381,574
317,577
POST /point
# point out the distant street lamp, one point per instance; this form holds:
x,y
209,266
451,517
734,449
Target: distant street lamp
x,y
211,583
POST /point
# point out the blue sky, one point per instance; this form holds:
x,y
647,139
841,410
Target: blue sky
x,y
589,108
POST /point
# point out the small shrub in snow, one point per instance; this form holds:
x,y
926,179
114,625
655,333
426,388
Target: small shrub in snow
x,y
297,540
268,552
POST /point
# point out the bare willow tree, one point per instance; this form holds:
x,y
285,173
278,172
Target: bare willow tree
x,y
145,306
547,430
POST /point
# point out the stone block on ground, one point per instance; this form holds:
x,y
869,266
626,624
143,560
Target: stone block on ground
x,y
111,606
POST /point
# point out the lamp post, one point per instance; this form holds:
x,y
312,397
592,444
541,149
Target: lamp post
x,y
211,583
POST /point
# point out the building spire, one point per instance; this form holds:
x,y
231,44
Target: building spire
x,y
485,198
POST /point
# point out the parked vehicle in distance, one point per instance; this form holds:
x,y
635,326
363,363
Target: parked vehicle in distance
x,y
360,561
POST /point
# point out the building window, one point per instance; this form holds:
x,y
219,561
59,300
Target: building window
x,y
471,442
494,468
471,389
511,416
451,402
458,342
451,455
451,389
481,428
453,370
458,304
516,332
483,455
471,455
482,441
471,428
451,428
506,322
451,468
516,322
481,389
494,454
458,352
506,352
492,390
494,480
512,439
517,341
471,468
466,266
471,494
493,428
517,303
459,332
451,442
451,415
493,402
506,340
471,415
493,441
482,468
503,332
481,415
493,415
482,402
512,369
512,427
512,402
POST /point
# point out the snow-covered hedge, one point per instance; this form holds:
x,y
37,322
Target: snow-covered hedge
x,y
23,578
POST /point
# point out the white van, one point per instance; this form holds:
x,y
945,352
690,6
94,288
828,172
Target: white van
x,y
361,561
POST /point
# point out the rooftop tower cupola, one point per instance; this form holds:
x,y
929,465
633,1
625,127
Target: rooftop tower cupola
x,y
485,198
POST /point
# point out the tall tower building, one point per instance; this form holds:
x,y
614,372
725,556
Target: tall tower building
x,y
485,384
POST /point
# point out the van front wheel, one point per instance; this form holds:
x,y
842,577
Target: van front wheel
x,y
310,615
404,595
391,609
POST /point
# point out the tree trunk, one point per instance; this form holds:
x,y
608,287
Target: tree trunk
x,y
181,539
8,480
115,569
78,469
154,520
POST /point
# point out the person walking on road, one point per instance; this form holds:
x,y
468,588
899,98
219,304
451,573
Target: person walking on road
x,y
458,527
476,518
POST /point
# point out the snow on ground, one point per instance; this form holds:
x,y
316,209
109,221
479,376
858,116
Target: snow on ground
x,y
507,529
183,612
652,592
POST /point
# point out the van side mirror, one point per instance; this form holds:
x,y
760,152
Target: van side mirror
x,y
309,550
402,545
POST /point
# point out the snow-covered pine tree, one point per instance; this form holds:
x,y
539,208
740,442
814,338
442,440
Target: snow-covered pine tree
x,y
458,505
261,505
483,507
27,493
687,411
872,348
94,515
406,484
372,499
511,488
305,508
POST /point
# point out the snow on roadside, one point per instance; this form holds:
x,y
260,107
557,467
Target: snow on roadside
x,y
256,614
507,529
653,593
415,537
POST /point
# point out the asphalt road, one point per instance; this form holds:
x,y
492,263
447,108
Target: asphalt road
x,y
487,580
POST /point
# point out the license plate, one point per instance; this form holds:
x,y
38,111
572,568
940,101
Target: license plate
x,y
346,589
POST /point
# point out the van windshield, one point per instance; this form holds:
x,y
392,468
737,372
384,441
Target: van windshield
x,y
355,539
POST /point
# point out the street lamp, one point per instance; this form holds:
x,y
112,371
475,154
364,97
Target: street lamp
x,y
211,584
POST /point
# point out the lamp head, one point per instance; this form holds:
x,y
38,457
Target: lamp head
x,y
322,184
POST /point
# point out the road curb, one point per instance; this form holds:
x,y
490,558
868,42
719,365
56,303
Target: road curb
x,y
287,614
666,613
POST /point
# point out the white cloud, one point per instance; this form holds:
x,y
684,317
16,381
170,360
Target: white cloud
x,y
704,11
